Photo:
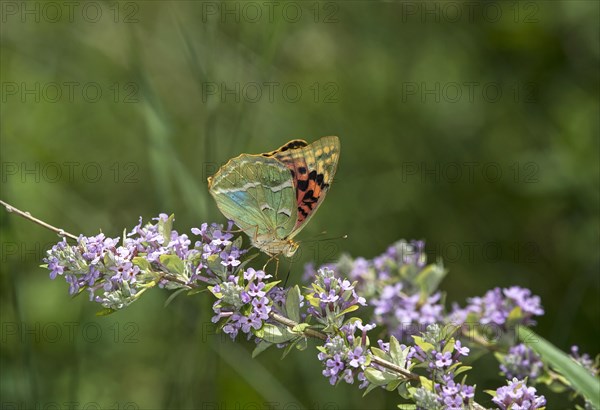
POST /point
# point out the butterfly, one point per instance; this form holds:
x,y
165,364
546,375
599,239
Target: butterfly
x,y
272,196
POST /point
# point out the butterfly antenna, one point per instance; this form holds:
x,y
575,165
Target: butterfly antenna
x,y
316,239
289,271
287,277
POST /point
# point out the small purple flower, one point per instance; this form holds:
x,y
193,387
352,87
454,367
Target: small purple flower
x,y
257,289
443,360
220,238
333,367
231,258
462,351
365,328
348,376
233,326
356,357
250,274
203,231
55,266
261,307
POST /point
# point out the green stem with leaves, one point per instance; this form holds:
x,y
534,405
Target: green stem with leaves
x,y
291,324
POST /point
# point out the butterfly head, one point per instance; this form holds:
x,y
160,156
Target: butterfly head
x,y
285,247
290,248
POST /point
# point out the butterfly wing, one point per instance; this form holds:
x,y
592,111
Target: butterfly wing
x,y
312,168
258,194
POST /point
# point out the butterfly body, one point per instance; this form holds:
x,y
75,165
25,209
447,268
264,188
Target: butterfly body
x,y
272,196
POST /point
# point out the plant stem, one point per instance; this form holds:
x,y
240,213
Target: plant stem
x,y
275,316
27,215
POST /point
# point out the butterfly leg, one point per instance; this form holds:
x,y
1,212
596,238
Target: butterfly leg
x,y
276,258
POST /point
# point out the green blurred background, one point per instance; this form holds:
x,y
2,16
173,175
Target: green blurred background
x,y
471,125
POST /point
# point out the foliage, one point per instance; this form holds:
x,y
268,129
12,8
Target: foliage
x,y
400,284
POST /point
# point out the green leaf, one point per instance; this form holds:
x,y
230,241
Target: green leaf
x,y
299,343
378,377
449,346
300,327
426,383
173,263
302,343
237,242
165,227
292,303
395,350
381,354
515,314
393,385
403,390
270,285
347,310
173,296
429,279
105,312
276,334
578,377
288,349
195,291
214,263
426,346
261,347
374,376
141,262
462,369
369,389
407,406
242,265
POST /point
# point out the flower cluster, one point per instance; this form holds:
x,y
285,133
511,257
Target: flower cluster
x,y
499,306
402,261
345,356
517,396
455,396
404,314
278,296
116,271
393,284
452,396
592,366
521,362
243,301
331,298
398,284
440,355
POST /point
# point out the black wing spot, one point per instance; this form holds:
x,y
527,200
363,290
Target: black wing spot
x,y
302,170
308,197
293,145
312,175
320,180
302,184
302,211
